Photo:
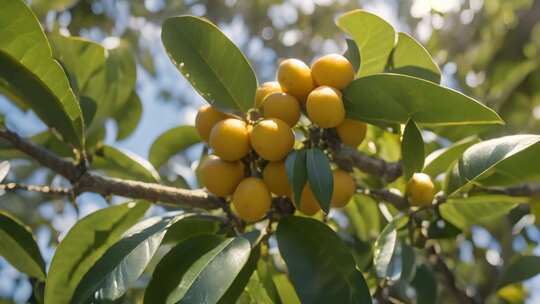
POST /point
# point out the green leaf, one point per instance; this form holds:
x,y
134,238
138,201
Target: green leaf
x,y
464,212
440,160
19,248
393,98
243,278
425,284
124,164
412,149
374,37
296,167
320,178
26,64
502,161
44,6
411,58
213,65
408,263
4,170
190,227
85,244
364,215
125,261
320,265
198,270
128,116
352,54
384,252
172,142
520,269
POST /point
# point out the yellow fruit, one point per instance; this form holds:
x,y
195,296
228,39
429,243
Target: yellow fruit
x,y
294,77
332,70
264,90
420,190
325,107
251,199
282,106
308,203
221,177
275,177
230,139
352,132
344,188
272,139
207,118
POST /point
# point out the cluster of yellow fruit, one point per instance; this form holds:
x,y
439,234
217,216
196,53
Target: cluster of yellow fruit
x,y
316,91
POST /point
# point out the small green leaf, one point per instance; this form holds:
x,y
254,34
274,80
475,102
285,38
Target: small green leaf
x,y
520,269
4,170
295,164
352,54
124,164
408,260
384,251
172,142
383,99
411,58
502,161
85,244
19,248
412,149
27,66
128,116
320,265
440,160
464,212
213,65
374,37
320,178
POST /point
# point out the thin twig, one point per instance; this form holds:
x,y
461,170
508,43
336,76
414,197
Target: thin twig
x,y
36,188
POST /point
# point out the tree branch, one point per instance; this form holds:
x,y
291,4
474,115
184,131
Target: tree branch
x,y
347,157
35,188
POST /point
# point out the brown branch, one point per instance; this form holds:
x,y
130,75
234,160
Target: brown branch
x,y
400,202
347,157
35,188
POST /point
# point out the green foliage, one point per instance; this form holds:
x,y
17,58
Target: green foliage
x,y
412,150
319,176
440,160
296,167
128,116
124,164
409,57
171,142
519,269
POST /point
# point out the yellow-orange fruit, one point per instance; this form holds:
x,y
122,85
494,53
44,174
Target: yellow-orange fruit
x,y
230,139
352,132
308,203
283,106
264,90
325,107
221,177
420,190
251,199
332,70
207,118
275,177
272,139
294,77
344,188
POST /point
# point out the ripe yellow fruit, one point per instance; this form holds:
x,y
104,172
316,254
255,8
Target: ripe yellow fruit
x,y
207,118
344,188
275,177
251,199
272,139
308,203
282,106
420,190
221,177
264,90
294,77
332,70
230,139
352,132
325,107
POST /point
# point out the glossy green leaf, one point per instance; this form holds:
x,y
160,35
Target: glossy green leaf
x,y
172,142
4,170
394,98
243,278
320,178
501,161
409,57
464,212
124,164
190,227
374,37
520,269
26,64
425,284
295,164
412,149
125,261
213,65
320,265
19,248
440,160
198,270
352,54
384,252
84,244
128,116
